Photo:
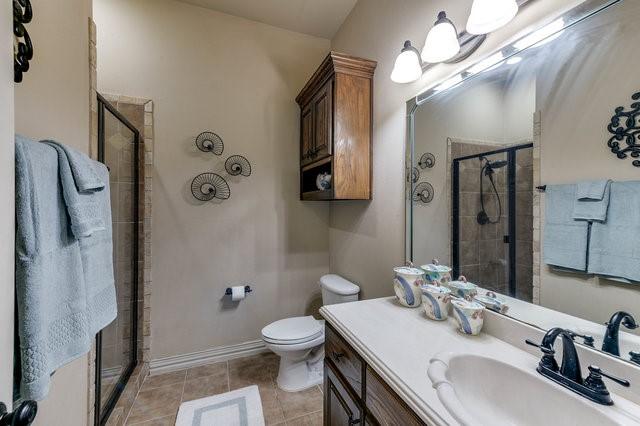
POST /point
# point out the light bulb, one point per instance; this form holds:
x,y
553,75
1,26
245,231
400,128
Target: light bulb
x,y
489,15
442,41
407,67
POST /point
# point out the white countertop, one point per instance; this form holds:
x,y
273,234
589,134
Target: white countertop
x,y
398,342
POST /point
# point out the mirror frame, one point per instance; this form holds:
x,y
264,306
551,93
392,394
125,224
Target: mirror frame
x,y
572,17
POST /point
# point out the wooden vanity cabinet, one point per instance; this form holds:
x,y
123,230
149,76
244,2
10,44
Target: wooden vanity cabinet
x,y
354,394
336,128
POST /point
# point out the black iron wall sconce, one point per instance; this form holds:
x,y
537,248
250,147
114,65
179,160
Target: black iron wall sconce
x,y
23,48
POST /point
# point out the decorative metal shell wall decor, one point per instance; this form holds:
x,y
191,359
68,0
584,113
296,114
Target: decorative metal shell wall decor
x,y
23,48
207,186
423,192
237,165
629,131
427,160
210,142
413,175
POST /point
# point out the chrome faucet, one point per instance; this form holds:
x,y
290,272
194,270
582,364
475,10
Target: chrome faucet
x,y
569,374
610,342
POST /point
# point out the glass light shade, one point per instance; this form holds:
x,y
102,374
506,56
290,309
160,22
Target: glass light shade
x,y
407,68
489,15
442,41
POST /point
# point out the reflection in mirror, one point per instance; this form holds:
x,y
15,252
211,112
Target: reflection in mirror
x,y
536,114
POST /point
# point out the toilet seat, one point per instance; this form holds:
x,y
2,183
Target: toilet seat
x,y
292,331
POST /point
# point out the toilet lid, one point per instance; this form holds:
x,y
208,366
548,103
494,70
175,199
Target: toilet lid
x,y
293,330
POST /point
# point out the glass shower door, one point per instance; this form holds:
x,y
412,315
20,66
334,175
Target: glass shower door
x,y
116,345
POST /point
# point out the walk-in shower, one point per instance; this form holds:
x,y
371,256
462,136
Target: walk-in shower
x,y
492,195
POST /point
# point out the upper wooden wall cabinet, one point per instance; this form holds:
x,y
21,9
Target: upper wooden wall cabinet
x,y
336,108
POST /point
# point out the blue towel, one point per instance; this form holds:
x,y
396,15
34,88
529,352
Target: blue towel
x,y
592,200
615,245
64,286
565,240
79,183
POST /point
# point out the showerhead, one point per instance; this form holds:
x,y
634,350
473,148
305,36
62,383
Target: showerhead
x,y
490,166
498,164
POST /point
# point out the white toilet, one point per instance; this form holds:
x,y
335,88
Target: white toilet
x,y
299,341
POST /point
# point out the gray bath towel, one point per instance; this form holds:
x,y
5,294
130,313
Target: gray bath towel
x,y
592,200
79,184
565,240
615,245
64,286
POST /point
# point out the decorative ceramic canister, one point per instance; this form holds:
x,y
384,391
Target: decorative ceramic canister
x,y
491,301
436,300
462,288
407,284
437,274
323,181
469,316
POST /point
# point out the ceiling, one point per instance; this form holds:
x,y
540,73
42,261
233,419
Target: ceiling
x,y
318,18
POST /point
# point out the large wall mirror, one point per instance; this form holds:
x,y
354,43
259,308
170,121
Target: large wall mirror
x,y
490,146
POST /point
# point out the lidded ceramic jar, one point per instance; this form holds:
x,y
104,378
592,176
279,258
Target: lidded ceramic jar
x,y
436,300
492,301
436,274
407,283
463,288
469,315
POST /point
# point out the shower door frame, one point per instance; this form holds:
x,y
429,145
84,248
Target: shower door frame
x,y
101,414
510,238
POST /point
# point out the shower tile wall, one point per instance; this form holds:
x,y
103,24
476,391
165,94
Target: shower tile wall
x,y
483,254
484,257
119,156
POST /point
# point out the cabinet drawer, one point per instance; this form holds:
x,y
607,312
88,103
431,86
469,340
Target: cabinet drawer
x,y
346,360
385,406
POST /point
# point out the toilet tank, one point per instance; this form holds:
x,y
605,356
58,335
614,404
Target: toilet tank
x,y
336,289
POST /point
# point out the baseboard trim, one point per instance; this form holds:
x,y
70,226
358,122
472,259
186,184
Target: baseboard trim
x,y
207,356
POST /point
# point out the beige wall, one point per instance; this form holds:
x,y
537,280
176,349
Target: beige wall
x,y
7,214
209,71
53,102
367,239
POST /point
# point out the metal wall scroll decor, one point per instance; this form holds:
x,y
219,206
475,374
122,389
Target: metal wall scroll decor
x,y
413,175
210,142
23,48
237,165
625,126
423,192
427,160
207,186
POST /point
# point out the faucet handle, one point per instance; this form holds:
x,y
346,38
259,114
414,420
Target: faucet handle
x,y
586,339
548,360
595,378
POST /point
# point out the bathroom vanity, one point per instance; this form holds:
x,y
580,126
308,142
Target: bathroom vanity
x,y
390,365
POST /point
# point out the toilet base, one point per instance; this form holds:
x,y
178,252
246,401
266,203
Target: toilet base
x,y
295,376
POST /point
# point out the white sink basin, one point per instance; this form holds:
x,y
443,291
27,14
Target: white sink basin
x,y
478,390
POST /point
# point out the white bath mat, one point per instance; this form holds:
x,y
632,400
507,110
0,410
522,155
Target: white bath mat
x,y
240,407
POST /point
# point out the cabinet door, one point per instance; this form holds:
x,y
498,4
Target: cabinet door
x,y
340,409
322,105
306,134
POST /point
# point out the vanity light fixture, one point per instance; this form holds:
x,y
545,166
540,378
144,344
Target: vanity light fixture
x,y
408,66
442,42
489,15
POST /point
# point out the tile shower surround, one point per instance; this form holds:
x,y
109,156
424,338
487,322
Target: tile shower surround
x,y
483,254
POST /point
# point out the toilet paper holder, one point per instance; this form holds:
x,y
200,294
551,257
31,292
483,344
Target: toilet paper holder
x,y
247,289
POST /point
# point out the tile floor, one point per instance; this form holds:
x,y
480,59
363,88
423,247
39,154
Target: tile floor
x,y
160,396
